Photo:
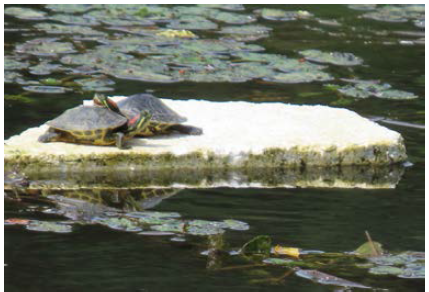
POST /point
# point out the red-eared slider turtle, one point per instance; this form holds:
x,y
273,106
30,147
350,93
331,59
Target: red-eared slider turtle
x,y
164,120
94,125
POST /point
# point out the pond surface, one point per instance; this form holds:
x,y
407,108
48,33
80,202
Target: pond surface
x,y
96,258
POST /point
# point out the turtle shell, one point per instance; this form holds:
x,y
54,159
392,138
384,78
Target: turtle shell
x,y
87,119
160,112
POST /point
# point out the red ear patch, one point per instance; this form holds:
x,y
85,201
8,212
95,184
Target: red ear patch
x,y
133,120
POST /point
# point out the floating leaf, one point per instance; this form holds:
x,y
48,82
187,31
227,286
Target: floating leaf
x,y
11,76
156,233
396,94
122,224
74,19
41,48
245,29
259,245
49,226
25,13
173,226
10,63
45,68
327,279
335,58
203,227
281,15
390,13
362,7
367,89
68,29
413,271
231,18
97,84
70,8
46,89
235,225
398,260
386,270
172,33
300,77
232,7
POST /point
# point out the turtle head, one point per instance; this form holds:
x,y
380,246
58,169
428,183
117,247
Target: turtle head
x,y
102,100
138,123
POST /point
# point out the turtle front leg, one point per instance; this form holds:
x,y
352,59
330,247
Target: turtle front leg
x,y
185,129
120,142
49,136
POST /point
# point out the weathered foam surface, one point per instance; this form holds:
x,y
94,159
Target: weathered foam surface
x,y
237,135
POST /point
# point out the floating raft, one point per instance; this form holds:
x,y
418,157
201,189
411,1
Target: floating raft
x,y
241,139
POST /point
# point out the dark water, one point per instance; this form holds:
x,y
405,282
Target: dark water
x,y
94,258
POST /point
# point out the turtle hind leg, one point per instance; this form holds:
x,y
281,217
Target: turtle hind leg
x,y
49,136
185,129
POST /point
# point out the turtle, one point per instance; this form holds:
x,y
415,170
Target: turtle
x,y
94,125
164,120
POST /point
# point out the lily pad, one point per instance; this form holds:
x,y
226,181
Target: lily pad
x,y
362,7
173,226
45,48
396,94
11,63
367,89
25,13
68,29
386,270
282,15
326,279
217,46
300,77
44,226
413,271
154,218
156,233
46,89
97,84
245,33
231,18
173,33
235,225
399,13
45,68
398,259
70,8
11,76
231,7
74,19
192,23
335,58
122,224
203,227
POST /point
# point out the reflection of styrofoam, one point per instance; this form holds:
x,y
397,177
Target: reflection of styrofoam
x,y
236,134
